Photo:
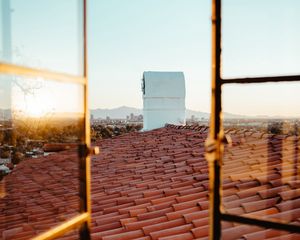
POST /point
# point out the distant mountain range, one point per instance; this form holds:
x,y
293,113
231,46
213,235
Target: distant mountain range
x,y
122,112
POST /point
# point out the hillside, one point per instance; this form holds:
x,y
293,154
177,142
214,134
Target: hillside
x,y
122,112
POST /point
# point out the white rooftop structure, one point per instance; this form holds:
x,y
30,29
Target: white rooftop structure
x,y
163,99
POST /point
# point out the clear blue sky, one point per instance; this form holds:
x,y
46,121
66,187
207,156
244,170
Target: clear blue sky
x,y
127,37
259,38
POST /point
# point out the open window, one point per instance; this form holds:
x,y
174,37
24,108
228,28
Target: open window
x,y
44,109
254,158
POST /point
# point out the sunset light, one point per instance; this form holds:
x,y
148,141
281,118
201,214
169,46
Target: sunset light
x,y
39,98
36,106
34,103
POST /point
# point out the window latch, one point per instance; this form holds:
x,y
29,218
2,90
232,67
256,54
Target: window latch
x,y
84,150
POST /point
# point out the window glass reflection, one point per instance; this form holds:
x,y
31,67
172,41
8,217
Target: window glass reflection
x,y
261,176
41,125
232,231
260,38
42,34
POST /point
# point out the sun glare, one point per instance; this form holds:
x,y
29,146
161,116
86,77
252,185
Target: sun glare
x,y
37,106
34,105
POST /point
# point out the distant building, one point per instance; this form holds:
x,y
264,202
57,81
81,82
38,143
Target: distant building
x,y
163,99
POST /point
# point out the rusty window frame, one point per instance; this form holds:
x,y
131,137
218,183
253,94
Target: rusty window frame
x,y
83,220
214,144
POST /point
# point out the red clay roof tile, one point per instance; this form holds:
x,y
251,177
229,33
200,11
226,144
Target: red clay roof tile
x,y
236,211
161,205
182,236
269,212
252,191
147,200
230,198
273,192
105,220
203,204
246,185
171,231
150,193
160,226
237,202
134,208
200,231
201,222
176,191
288,216
238,231
163,199
154,214
187,204
192,196
100,235
115,208
125,235
156,184
286,237
143,238
288,205
190,190
180,213
264,234
287,195
264,179
189,217
259,205
127,220
140,224
105,227
135,212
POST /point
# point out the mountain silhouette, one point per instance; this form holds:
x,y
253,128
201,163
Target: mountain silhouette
x,y
123,111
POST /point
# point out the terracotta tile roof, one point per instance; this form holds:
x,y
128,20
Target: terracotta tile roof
x,y
154,185
39,193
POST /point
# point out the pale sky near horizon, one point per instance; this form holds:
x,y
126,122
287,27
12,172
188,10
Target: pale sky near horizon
x,y
127,37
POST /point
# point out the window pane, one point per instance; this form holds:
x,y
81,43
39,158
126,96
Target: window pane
x,y
260,38
261,175
41,125
42,34
233,231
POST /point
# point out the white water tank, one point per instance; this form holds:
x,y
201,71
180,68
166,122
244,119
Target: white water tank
x,y
163,99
